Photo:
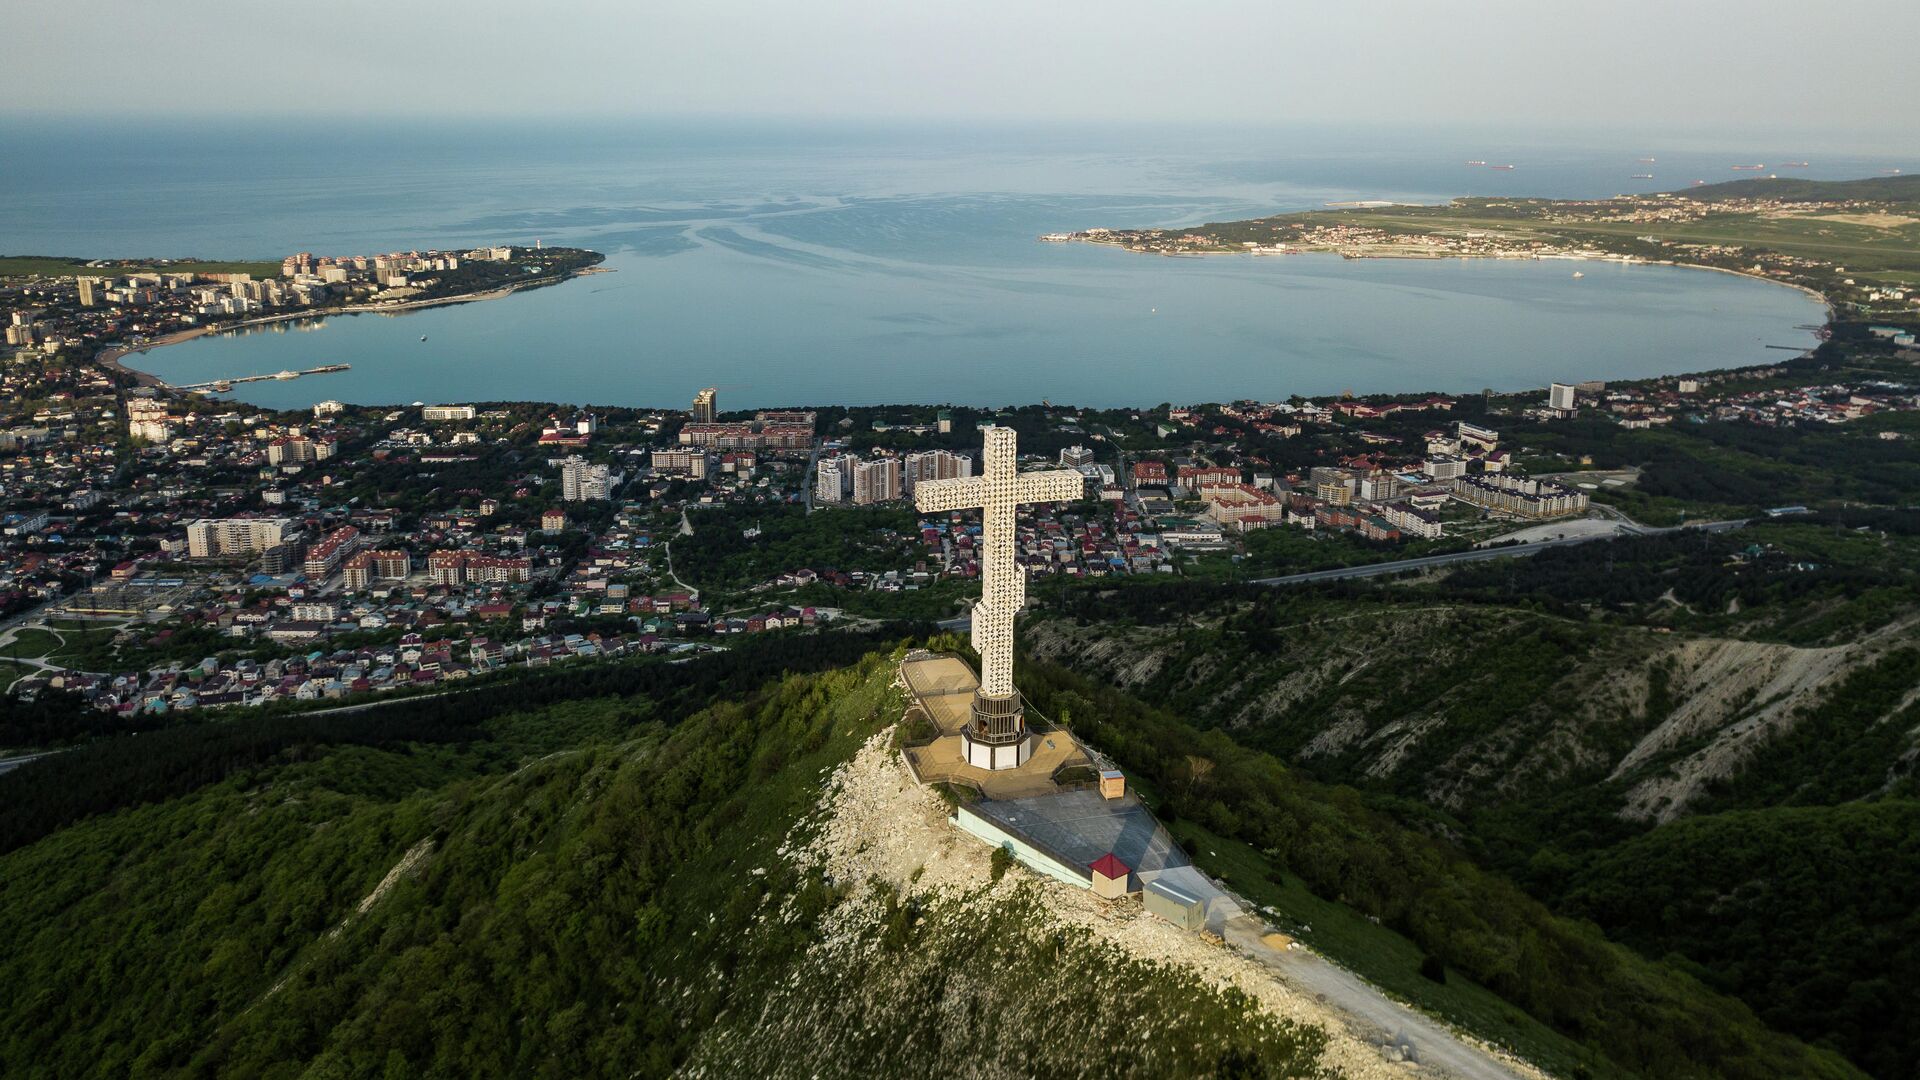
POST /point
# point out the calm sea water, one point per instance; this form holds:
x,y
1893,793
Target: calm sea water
x,y
861,265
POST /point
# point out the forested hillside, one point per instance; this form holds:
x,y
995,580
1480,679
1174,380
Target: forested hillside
x,y
609,877
1668,736
594,887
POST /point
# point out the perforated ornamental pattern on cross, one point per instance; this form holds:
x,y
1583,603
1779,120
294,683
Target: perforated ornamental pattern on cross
x,y
998,493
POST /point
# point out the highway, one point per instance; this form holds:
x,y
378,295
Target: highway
x,y
1432,562
7,765
1429,562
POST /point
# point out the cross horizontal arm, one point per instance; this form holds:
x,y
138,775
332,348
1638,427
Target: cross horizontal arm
x,y
959,493
1057,485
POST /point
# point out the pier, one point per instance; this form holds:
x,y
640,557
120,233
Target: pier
x,y
221,386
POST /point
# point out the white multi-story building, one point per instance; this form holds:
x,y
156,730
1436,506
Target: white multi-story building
x,y
1076,456
831,478
694,463
441,413
153,429
211,537
583,482
1411,520
1561,397
1519,495
298,449
1474,435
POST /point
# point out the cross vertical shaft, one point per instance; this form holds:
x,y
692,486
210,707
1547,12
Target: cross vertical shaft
x,y
998,492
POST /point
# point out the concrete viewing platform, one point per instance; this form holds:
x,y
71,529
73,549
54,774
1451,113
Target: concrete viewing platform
x,y
942,688
1064,832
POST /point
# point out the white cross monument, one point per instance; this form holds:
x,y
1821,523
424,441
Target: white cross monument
x,y
997,738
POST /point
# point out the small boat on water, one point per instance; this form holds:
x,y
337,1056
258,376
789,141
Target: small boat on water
x,y
1647,160
1579,273
1476,163
1643,176
1502,168
423,337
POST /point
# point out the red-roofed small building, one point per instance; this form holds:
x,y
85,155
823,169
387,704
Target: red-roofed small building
x,y
1110,877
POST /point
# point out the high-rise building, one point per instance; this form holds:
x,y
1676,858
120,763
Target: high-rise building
x,y
210,537
831,476
706,405
581,481
1076,455
1561,397
934,465
876,481
87,295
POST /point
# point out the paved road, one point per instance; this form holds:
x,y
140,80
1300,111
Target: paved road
x,y
1429,562
7,765
1374,1017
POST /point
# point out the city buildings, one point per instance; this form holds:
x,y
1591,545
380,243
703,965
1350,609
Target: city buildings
x,y
1241,506
362,569
298,449
1561,397
211,538
693,464
706,406
933,465
876,480
326,556
1519,495
581,481
833,478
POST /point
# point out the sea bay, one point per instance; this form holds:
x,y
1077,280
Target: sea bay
x,y
793,267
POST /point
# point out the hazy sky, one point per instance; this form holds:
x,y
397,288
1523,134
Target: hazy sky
x,y
1634,65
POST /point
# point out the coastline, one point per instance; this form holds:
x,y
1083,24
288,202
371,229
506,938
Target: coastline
x,y
113,357
1624,260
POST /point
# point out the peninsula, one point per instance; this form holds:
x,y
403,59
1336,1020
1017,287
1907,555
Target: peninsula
x,y
1855,243
72,309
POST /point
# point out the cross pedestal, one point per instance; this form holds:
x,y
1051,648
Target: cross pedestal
x,y
997,737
